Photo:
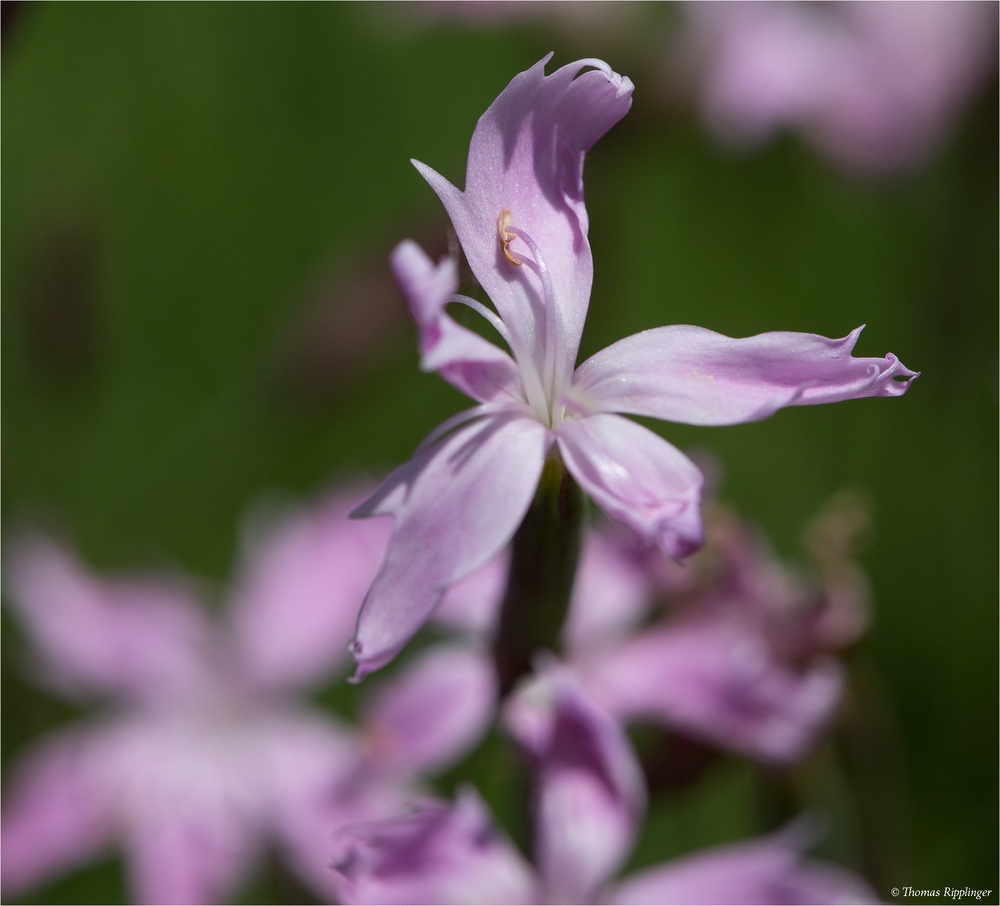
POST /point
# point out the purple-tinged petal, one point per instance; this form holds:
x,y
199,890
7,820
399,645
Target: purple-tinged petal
x,y
589,794
429,715
721,683
612,593
636,477
441,853
696,376
770,870
144,638
456,504
294,609
195,792
463,358
473,604
527,156
57,811
194,857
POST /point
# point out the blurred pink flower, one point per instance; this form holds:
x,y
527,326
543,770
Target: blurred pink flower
x,y
207,754
744,662
588,807
523,225
743,657
874,85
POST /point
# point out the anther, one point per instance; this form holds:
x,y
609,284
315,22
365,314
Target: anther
x,y
504,223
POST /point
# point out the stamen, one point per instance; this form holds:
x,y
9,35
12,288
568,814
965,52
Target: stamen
x,y
504,222
490,316
549,306
530,380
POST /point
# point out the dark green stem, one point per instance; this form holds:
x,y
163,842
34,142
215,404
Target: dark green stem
x,y
543,562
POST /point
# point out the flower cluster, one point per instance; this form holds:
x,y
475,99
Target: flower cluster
x,y
207,754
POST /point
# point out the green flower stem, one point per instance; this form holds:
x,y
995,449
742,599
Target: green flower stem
x,y
545,552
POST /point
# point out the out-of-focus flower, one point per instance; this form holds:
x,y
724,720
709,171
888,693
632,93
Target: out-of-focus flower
x,y
588,807
741,656
744,661
207,754
876,86
523,226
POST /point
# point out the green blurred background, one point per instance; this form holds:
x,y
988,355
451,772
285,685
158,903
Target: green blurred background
x,y
196,311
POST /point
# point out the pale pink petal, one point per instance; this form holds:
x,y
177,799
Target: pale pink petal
x,y
142,638
527,156
57,811
456,504
430,714
611,594
193,793
770,870
473,604
294,608
589,795
696,376
441,853
636,477
463,358
195,857
721,683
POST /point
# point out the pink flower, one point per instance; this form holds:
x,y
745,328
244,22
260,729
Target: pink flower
x,y
874,85
739,664
741,660
207,754
523,226
588,806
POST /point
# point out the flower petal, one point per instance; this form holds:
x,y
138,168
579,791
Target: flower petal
x,y
696,376
720,683
473,605
429,715
612,592
140,637
189,857
636,477
589,793
456,504
527,156
194,793
463,358
770,870
294,609
57,812
442,853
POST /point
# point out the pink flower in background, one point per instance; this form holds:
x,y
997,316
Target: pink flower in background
x,y
744,660
741,656
523,226
874,85
588,806
207,754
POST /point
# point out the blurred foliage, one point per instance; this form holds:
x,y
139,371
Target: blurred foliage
x,y
194,193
